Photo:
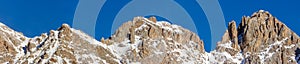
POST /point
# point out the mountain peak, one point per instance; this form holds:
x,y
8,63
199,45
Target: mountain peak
x,y
261,13
151,37
260,32
64,27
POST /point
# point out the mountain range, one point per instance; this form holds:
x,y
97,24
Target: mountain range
x,y
259,39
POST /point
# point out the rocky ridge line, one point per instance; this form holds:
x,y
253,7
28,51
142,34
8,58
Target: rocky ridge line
x,y
260,38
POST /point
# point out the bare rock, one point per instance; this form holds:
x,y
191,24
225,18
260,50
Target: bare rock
x,y
229,42
153,18
260,33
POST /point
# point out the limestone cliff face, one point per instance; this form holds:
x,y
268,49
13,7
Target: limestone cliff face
x,y
260,38
158,42
261,33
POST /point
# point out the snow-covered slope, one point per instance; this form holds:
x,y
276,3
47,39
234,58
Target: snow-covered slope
x,y
258,39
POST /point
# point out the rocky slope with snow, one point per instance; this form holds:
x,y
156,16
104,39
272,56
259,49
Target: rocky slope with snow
x,y
264,39
260,38
65,45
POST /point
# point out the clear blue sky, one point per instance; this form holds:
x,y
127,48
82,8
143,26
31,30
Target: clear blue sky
x,y
33,17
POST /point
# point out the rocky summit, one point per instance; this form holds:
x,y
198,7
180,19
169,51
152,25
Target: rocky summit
x,y
258,39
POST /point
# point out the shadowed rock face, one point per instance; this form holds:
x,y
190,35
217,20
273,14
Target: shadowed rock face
x,y
260,38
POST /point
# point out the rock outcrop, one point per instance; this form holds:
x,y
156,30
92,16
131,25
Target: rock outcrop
x,y
264,39
158,42
228,50
230,36
261,38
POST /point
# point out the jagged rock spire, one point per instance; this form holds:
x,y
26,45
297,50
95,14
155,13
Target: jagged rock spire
x,y
229,37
